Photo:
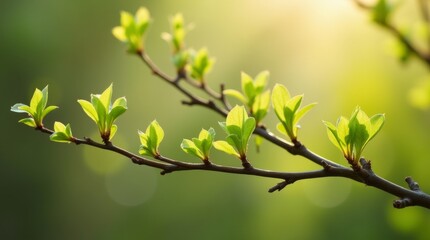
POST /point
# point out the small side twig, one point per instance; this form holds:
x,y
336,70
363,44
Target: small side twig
x,y
390,27
412,184
278,187
407,201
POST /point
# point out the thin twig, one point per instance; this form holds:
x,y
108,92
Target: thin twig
x,y
408,44
329,168
194,100
408,197
390,27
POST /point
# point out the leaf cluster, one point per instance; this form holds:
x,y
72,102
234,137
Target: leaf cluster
x,y
238,127
288,110
352,135
37,110
200,147
103,112
201,64
133,29
196,63
62,133
253,94
150,139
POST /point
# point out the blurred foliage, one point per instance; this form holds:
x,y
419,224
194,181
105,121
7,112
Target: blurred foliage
x,y
328,50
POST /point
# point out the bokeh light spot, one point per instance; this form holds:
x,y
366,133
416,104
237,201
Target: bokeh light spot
x,y
406,220
132,185
104,162
327,193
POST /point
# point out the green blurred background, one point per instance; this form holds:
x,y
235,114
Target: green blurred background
x,y
328,50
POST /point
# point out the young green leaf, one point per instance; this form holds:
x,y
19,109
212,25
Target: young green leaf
x,y
190,147
352,135
29,122
103,112
176,38
62,133
288,110
260,107
253,95
236,94
150,139
200,147
280,96
37,110
226,147
178,31
239,128
133,29
201,64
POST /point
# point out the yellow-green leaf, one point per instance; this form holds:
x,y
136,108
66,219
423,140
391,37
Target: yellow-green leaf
x,y
119,33
236,116
235,94
280,97
225,147
105,97
28,121
89,109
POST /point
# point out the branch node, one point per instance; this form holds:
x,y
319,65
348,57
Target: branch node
x,y
355,166
181,74
136,160
207,162
247,165
367,165
296,148
326,166
414,186
297,143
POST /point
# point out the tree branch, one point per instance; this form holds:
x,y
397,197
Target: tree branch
x,y
393,30
362,174
217,102
413,197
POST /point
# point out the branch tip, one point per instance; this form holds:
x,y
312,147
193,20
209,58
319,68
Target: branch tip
x,y
402,203
189,103
278,187
414,186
